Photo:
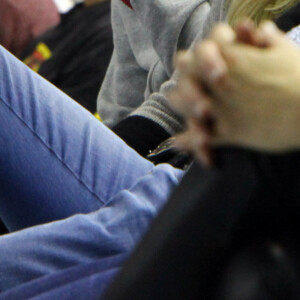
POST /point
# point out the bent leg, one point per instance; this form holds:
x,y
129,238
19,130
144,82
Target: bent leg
x,y
214,200
113,229
56,159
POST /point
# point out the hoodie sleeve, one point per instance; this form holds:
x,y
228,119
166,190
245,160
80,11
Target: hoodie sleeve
x,y
201,19
170,25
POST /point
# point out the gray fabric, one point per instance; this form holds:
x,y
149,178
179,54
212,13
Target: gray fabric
x,y
141,70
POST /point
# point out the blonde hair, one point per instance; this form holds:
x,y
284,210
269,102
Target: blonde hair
x,y
257,10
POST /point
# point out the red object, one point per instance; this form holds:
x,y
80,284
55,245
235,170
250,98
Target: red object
x,y
23,20
127,2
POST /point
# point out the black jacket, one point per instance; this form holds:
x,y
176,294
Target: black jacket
x,y
75,54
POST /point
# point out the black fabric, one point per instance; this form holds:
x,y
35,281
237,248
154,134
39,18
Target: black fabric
x,y
289,19
81,47
3,229
141,134
249,197
263,271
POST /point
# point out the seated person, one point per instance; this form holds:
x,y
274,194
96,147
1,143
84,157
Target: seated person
x,y
83,241
23,20
74,55
236,232
59,165
147,35
60,170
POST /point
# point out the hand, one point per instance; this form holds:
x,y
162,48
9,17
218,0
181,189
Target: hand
x,y
253,95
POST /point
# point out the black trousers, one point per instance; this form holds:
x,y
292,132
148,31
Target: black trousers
x,y
248,196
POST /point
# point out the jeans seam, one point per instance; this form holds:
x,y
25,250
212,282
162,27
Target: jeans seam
x,y
52,151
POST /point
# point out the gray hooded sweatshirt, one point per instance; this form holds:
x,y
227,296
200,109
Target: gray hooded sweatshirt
x,y
141,72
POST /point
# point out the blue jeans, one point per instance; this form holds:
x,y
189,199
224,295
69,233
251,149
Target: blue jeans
x,y
60,166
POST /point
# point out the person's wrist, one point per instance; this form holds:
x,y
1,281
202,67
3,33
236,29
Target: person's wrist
x,y
140,133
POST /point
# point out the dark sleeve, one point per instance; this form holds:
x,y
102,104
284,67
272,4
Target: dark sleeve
x,y
141,133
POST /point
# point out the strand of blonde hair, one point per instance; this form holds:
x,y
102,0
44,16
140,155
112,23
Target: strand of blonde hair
x,y
257,10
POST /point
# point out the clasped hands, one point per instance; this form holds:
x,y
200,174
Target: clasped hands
x,y
239,87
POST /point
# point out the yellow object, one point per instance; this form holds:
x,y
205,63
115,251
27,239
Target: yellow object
x,y
97,116
40,55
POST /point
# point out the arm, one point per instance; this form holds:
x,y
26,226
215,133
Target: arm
x,y
127,76
126,80
155,118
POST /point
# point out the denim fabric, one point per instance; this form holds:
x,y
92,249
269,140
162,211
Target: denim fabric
x,y
81,282
60,166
